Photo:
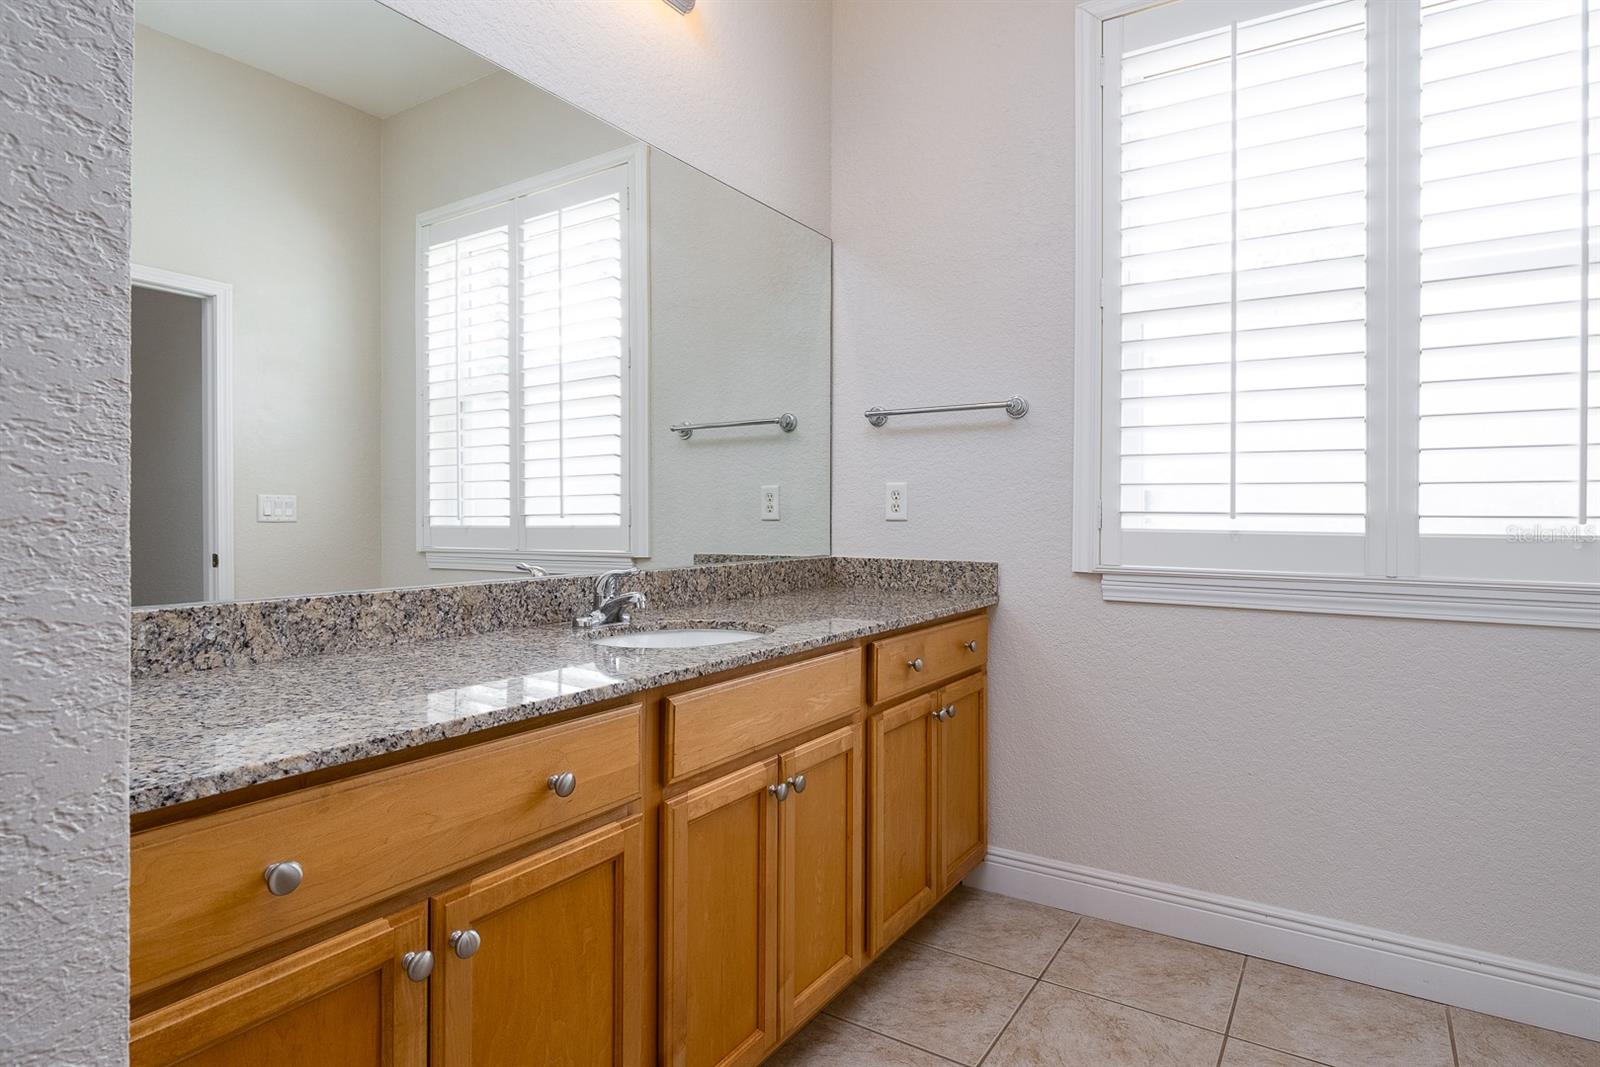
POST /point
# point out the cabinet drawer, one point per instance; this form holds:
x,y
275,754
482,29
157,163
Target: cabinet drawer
x,y
709,726
198,895
941,651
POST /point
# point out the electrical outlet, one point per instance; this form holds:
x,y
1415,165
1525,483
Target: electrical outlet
x,y
769,503
277,507
896,502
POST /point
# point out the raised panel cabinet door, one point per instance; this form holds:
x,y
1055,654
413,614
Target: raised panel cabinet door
x,y
719,921
539,961
962,735
822,846
902,864
343,1002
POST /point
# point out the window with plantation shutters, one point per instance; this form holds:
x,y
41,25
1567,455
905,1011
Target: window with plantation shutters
x,y
528,310
1340,291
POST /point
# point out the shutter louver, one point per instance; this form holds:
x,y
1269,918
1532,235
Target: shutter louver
x,y
467,332
1243,277
572,364
1507,142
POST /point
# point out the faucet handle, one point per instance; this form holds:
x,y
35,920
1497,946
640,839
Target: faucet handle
x,y
605,586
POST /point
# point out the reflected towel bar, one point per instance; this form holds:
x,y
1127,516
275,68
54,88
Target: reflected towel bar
x,y
1016,407
785,422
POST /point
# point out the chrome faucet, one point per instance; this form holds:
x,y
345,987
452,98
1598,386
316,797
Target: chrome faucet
x,y
532,570
611,607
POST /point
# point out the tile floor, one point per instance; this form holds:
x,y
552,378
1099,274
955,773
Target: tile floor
x,y
990,980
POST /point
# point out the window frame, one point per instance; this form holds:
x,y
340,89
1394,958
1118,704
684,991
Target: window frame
x,y
1388,553
556,554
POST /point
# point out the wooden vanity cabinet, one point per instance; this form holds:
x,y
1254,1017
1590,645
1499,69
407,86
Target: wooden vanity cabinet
x,y
961,783
539,961
761,901
822,855
928,822
344,1002
730,857
719,921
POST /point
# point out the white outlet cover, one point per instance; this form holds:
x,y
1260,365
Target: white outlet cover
x,y
771,504
896,502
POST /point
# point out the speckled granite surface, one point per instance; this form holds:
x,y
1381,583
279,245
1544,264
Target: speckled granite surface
x,y
199,637
199,733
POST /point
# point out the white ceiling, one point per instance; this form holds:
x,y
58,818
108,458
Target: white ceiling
x,y
356,51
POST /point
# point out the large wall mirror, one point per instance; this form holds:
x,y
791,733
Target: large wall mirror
x,y
403,318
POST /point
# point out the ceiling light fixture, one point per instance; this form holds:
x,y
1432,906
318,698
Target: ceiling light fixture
x,y
683,6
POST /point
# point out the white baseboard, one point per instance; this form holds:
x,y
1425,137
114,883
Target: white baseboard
x,y
1550,997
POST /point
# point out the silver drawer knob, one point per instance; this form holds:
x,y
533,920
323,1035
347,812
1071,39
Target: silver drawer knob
x,y
563,784
798,783
466,943
970,646
950,712
944,713
283,878
781,790
915,664
418,965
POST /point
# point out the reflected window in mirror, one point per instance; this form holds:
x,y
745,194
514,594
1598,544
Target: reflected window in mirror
x,y
531,364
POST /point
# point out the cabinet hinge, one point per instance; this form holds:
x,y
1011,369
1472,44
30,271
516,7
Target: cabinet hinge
x,y
1100,516
215,562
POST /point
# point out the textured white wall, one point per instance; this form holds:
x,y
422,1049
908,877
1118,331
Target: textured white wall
x,y
245,178
737,88
1436,779
66,69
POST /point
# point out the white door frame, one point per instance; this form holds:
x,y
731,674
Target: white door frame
x,y
216,390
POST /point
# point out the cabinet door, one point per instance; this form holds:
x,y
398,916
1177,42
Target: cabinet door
x,y
962,791
902,869
554,975
345,1002
719,921
820,898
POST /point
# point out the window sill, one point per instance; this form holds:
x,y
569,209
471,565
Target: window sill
x,y
460,559
1573,606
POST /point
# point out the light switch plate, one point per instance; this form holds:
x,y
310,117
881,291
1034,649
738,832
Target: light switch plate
x,y
896,502
277,507
770,501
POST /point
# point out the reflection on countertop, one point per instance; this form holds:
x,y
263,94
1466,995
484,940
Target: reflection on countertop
x,y
208,732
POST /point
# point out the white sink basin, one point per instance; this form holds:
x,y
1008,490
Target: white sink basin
x,y
685,638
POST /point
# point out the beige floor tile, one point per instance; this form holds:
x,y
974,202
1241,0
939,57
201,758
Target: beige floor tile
x,y
830,1042
1015,934
1243,1054
1338,1022
941,1003
1484,1041
1179,979
1063,1028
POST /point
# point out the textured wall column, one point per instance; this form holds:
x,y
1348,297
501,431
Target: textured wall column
x,y
66,69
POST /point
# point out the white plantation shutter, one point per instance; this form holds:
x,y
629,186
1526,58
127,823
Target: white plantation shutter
x,y
467,339
525,354
1507,161
1240,273
1347,306
573,319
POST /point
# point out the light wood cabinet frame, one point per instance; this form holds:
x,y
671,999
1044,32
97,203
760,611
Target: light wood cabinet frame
x,y
264,998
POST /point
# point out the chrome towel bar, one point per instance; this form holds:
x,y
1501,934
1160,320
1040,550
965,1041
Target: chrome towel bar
x,y
1016,407
785,422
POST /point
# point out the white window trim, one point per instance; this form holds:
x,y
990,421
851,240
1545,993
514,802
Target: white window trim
x,y
1525,603
636,414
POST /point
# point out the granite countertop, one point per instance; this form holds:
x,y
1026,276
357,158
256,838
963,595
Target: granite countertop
x,y
199,734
